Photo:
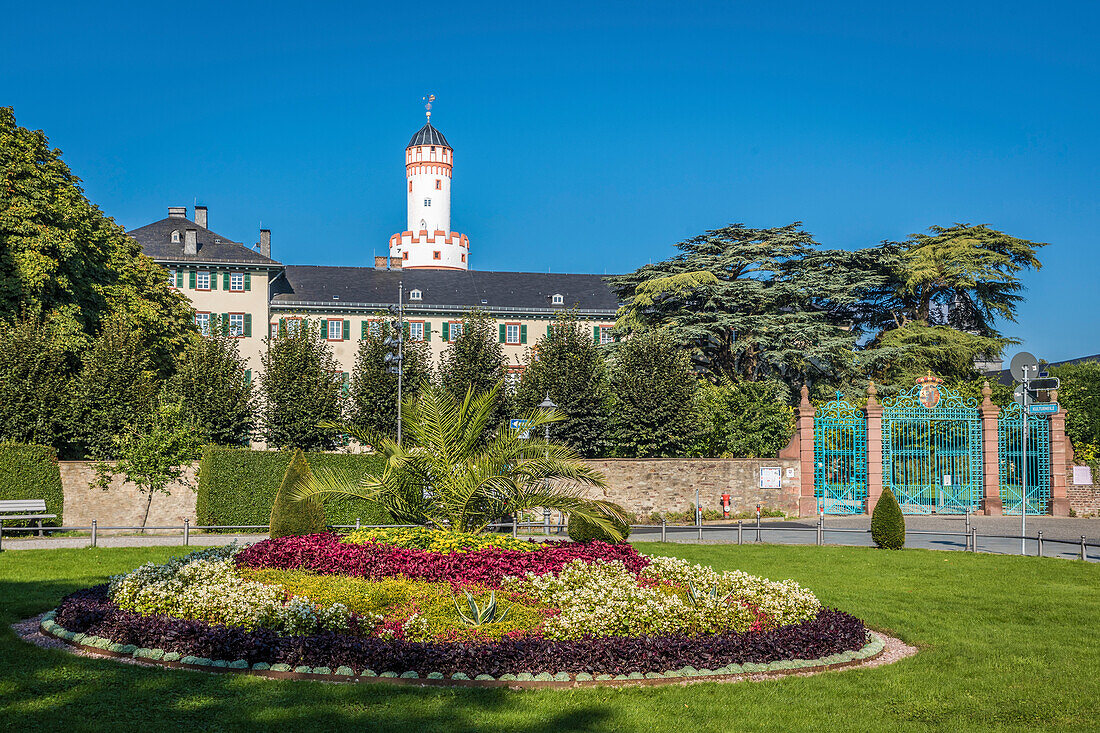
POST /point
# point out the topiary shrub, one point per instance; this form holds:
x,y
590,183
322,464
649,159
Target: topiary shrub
x,y
581,530
289,517
237,485
31,472
887,522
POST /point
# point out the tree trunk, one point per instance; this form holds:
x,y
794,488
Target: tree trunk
x,y
148,504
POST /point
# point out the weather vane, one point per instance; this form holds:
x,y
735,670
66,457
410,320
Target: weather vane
x,y
428,105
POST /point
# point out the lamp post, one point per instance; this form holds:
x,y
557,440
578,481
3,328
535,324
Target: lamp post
x,y
547,406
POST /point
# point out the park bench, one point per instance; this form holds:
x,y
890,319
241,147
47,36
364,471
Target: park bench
x,y
23,509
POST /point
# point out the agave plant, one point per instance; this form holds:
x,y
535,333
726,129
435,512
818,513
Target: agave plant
x,y
709,599
478,615
448,474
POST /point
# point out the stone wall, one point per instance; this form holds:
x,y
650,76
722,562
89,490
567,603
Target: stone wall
x,y
642,486
1084,500
651,485
121,505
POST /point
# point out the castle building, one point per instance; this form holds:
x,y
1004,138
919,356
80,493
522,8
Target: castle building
x,y
244,289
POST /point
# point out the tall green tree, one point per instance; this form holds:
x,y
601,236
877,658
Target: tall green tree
x,y
35,375
372,399
475,361
154,453
215,387
569,366
1080,396
63,261
743,302
300,389
115,391
654,388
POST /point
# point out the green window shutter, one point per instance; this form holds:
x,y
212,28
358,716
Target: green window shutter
x,y
214,281
225,281
179,279
346,333
225,323
248,281
247,324
549,328
427,330
191,279
502,333
446,330
282,327
596,334
363,329
615,338
248,376
523,333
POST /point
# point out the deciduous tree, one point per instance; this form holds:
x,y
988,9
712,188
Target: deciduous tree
x,y
301,389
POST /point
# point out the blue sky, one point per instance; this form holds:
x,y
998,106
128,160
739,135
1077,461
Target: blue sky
x,y
587,138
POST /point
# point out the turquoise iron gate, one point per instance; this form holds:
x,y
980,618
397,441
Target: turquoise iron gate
x,y
840,457
1010,430
932,449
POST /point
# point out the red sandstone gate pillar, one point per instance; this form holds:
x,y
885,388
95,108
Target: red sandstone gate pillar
x,y
991,468
1059,499
804,425
874,448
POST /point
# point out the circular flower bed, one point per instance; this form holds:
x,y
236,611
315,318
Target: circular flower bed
x,y
444,606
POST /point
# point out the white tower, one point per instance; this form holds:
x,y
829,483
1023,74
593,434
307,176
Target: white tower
x,y
428,241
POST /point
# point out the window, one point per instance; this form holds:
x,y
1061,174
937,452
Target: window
x,y
433,152
236,282
606,336
435,255
175,236
463,256
511,333
427,202
374,328
274,330
171,278
410,186
335,330
293,326
415,295
236,325
512,377
454,330
202,320
416,330
405,256
438,185
202,280
557,299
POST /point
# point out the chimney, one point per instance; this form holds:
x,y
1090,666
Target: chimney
x,y
200,216
265,242
381,264
177,212
191,242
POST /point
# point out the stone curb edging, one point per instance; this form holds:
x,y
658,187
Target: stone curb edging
x,y
731,673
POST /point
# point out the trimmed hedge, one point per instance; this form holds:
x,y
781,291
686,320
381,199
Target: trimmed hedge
x,y
238,486
581,530
31,472
292,518
887,522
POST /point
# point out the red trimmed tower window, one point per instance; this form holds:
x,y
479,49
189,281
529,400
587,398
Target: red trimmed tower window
x,y
436,255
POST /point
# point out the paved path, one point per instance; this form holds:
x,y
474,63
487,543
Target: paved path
x,y
928,532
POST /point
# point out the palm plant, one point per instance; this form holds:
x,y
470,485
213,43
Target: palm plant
x,y
453,471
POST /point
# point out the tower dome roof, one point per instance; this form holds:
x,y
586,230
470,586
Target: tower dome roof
x,y
428,135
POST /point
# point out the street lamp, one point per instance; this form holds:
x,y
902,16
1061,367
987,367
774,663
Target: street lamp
x,y
547,406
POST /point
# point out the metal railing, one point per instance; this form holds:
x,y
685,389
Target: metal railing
x,y
738,533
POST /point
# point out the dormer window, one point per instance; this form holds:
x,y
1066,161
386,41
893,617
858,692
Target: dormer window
x,y
175,236
557,299
415,295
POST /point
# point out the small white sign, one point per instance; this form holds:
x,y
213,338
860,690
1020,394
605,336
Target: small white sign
x,y
1082,476
947,479
771,477
790,473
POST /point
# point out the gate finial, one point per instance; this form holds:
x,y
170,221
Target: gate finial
x,y
871,392
805,397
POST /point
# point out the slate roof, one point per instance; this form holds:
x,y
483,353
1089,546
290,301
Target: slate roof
x,y
428,135
156,241
351,287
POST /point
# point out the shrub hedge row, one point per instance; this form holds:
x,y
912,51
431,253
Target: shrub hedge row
x,y
237,486
31,472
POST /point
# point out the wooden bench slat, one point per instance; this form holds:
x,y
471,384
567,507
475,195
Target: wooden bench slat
x,y
23,505
6,517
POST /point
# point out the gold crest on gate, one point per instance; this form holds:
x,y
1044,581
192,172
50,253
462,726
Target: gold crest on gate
x,y
929,390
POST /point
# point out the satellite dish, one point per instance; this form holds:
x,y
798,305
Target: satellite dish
x,y
1020,362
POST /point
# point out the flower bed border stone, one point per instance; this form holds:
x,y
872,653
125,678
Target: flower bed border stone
x,y
873,649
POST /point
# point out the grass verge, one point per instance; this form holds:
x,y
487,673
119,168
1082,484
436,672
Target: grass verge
x,y
1007,643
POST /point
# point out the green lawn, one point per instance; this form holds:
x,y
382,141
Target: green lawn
x,y
1007,643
